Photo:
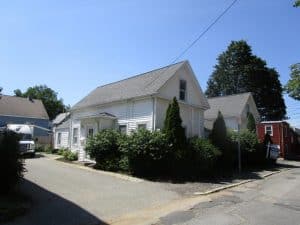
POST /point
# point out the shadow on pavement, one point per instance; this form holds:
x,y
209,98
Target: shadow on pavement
x,y
51,209
225,177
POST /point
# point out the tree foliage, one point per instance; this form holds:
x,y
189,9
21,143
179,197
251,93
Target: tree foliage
x,y
53,105
239,71
218,134
297,3
251,126
172,126
293,85
11,164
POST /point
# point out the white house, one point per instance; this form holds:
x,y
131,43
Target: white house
x,y
61,130
139,102
234,108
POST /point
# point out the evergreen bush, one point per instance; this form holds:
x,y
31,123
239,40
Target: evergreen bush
x,y
11,163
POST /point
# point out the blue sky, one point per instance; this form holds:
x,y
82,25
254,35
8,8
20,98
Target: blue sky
x,y
74,46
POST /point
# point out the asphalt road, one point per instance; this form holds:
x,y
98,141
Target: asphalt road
x,y
65,194
271,201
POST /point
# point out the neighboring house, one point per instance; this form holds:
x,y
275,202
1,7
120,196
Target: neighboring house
x,y
281,134
234,108
139,102
17,110
61,130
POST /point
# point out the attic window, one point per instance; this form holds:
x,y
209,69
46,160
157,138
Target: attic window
x,y
182,90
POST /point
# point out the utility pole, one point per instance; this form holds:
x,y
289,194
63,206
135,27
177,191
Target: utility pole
x,y
239,149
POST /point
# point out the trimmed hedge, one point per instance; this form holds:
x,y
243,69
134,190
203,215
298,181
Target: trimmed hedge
x,y
149,153
104,148
11,163
202,156
253,153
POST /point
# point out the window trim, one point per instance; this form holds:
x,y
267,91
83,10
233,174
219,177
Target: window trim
x,y
88,132
122,125
77,136
142,124
271,131
184,90
58,138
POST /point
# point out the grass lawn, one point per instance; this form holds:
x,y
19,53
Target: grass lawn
x,y
13,205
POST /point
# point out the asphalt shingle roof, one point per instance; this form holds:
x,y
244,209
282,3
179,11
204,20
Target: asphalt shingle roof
x,y
60,118
137,86
23,107
230,106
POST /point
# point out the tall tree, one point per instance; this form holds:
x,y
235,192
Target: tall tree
x,y
53,105
172,126
239,71
297,3
293,85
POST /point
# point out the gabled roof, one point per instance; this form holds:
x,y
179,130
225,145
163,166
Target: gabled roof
x,y
229,106
64,124
141,85
60,118
22,107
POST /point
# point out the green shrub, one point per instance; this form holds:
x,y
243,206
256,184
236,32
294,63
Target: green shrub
x,y
201,157
219,138
62,151
248,140
70,156
104,148
39,148
11,163
251,126
252,152
149,153
173,128
48,149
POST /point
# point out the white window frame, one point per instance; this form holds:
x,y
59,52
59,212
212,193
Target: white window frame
x,y
77,136
88,132
142,124
184,90
122,125
58,138
271,131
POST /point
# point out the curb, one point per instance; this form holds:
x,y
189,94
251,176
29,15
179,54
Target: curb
x,y
236,184
112,174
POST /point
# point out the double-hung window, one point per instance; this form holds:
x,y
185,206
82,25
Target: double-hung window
x,y
75,136
269,130
123,129
142,126
182,90
59,138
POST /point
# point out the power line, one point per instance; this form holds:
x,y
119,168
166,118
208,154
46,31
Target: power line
x,y
204,32
197,39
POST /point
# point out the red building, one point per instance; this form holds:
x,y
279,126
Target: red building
x,y
281,134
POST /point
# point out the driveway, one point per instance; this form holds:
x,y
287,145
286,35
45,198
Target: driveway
x,y
66,194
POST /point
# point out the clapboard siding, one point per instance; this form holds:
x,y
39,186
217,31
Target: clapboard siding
x,y
129,113
64,138
192,117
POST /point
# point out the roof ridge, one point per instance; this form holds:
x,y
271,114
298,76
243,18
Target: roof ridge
x,y
224,96
12,96
141,74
